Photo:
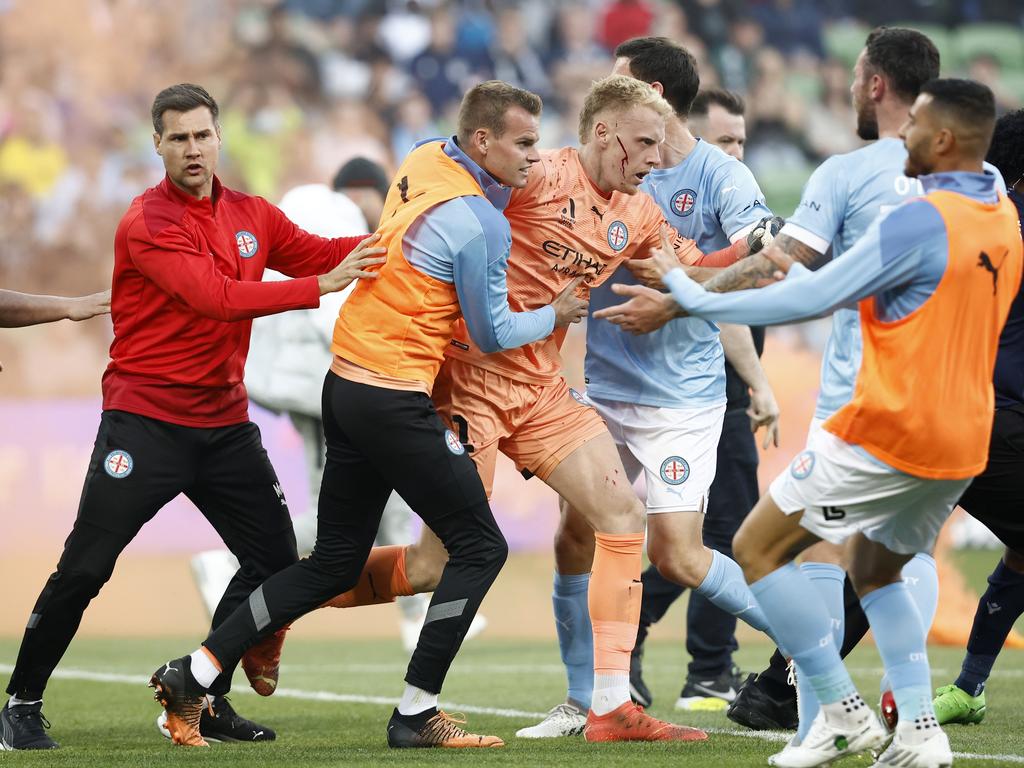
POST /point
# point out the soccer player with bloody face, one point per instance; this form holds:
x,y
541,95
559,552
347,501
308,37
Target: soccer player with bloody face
x,y
578,218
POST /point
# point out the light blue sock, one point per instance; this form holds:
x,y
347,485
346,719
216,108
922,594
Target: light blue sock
x,y
802,626
922,580
828,579
725,586
900,638
575,634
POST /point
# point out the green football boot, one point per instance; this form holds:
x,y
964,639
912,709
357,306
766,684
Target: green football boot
x,y
954,705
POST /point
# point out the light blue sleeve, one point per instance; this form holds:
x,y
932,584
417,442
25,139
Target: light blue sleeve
x,y
479,272
894,250
739,201
823,203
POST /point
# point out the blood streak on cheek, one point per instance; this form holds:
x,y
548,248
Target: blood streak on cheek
x,y
625,157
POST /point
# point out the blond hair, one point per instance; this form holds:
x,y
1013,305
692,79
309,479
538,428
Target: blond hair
x,y
485,106
619,92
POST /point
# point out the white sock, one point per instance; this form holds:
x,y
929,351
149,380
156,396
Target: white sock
x,y
610,692
203,668
416,700
14,701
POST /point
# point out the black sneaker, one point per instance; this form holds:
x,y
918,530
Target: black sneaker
x,y
24,727
223,724
183,699
638,690
763,706
434,728
711,695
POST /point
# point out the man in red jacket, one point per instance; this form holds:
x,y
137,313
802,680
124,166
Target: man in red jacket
x,y
188,258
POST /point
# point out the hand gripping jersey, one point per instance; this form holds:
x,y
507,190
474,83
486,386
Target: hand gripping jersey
x,y
563,227
923,400
400,324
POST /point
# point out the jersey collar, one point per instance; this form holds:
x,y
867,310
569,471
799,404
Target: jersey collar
x,y
977,186
496,193
175,193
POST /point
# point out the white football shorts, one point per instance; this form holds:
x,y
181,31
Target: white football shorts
x,y
843,491
676,449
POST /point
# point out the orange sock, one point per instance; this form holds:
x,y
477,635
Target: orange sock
x,y
382,580
614,599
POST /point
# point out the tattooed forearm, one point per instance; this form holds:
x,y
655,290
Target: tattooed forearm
x,y
752,271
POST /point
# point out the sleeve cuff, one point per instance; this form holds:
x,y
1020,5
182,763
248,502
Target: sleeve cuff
x,y
806,237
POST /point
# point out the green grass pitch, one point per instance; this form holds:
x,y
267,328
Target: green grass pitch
x,y
336,698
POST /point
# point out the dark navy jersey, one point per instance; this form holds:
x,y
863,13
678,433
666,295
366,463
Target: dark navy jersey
x,y
1009,376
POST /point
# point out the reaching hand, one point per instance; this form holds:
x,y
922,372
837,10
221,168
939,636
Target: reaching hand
x,y
356,264
662,260
764,412
646,311
570,308
84,307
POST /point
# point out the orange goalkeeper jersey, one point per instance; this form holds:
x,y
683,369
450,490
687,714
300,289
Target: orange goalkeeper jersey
x,y
564,227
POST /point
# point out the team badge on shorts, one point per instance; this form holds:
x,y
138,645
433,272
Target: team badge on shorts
x,y
577,396
453,443
247,243
618,235
802,465
683,201
118,464
675,470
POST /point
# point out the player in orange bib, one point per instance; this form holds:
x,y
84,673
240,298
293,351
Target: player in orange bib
x,y
935,279
447,249
578,218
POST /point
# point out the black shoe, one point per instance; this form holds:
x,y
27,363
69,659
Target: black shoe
x,y
24,727
434,728
638,690
224,724
712,694
183,699
761,708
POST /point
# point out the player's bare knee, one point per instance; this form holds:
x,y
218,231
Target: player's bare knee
x,y
423,567
678,568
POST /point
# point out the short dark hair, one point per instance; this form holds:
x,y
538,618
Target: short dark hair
x,y
183,97
658,59
730,101
971,104
485,105
905,57
1007,150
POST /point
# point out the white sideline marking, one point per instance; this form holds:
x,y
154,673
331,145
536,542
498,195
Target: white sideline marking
x,y
351,698
558,669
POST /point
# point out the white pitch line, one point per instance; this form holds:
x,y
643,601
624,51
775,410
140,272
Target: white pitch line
x,y
350,698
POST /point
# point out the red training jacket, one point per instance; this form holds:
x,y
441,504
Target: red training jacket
x,y
186,286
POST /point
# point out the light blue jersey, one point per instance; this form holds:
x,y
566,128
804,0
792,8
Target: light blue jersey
x,y
844,195
708,197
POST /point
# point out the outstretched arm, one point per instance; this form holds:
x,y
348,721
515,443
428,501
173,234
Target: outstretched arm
x,y
892,252
758,270
20,309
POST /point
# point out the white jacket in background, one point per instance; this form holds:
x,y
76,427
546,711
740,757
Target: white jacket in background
x,y
290,352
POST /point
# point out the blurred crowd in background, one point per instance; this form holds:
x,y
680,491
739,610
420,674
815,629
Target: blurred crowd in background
x,y
304,85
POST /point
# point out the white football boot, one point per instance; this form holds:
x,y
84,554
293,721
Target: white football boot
x,y
563,720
